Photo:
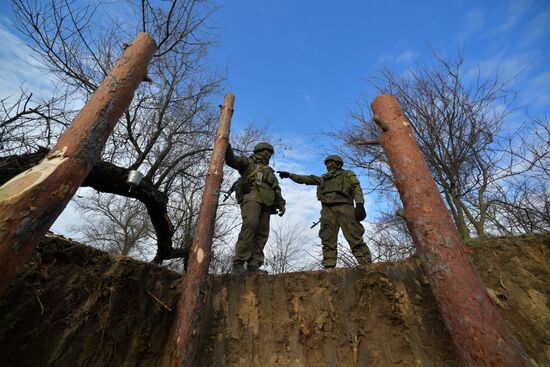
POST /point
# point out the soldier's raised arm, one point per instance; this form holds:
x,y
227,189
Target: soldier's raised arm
x,y
301,179
239,163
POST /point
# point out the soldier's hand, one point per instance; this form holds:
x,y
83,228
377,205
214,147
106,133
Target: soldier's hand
x,y
360,212
282,210
283,174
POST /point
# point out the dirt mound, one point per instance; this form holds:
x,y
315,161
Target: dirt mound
x,y
516,272
77,306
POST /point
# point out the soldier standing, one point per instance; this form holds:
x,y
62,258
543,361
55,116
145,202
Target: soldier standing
x,y
336,190
259,195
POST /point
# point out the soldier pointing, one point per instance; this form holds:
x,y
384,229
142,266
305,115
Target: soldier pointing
x,y
259,195
337,190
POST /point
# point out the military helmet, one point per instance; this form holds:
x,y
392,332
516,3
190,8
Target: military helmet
x,y
335,158
264,146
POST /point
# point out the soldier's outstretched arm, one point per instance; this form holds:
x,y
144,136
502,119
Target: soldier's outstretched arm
x,y
307,180
237,162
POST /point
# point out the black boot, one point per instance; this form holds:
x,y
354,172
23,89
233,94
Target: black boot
x,y
238,268
364,261
255,269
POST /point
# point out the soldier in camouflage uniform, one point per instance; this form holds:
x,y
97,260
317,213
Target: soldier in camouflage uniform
x,y
259,195
336,190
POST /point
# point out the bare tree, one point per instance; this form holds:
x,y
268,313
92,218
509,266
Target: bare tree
x,y
168,129
284,251
26,125
521,203
390,239
458,121
117,225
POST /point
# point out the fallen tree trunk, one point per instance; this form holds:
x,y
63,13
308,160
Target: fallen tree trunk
x,y
12,165
109,178
32,201
186,329
479,334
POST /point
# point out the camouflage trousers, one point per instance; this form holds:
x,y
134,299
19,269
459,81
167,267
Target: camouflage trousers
x,y
253,235
334,217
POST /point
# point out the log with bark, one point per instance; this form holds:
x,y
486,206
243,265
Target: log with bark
x,y
31,201
478,332
187,329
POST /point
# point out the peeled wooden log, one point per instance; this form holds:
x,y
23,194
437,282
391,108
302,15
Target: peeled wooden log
x,y
32,201
186,330
479,334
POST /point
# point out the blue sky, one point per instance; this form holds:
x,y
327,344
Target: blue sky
x,y
300,65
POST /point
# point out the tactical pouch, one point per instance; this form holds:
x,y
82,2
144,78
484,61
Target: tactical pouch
x,y
242,187
259,177
339,184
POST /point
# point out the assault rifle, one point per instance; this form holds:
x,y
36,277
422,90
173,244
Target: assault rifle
x,y
230,191
315,223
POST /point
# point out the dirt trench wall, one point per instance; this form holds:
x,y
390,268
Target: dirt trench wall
x,y
516,272
382,316
76,306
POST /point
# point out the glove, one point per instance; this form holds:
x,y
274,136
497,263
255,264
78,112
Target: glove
x,y
283,174
282,210
360,212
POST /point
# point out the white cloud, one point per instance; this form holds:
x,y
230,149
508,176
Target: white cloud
x,y
538,90
298,155
472,23
19,67
508,65
301,200
407,57
401,56
514,11
537,27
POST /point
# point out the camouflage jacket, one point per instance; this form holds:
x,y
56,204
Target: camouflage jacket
x,y
335,187
264,186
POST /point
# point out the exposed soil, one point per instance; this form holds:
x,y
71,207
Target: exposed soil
x,y
76,306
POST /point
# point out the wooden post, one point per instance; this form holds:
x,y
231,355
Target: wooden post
x,y
479,334
186,329
32,201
